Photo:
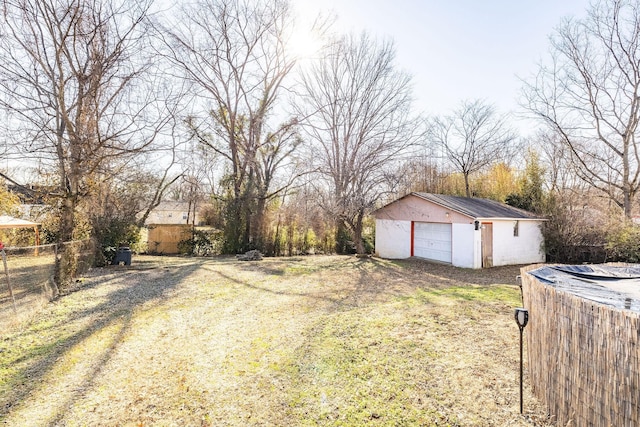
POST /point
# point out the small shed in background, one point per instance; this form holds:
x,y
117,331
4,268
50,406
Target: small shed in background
x,y
164,238
168,224
462,231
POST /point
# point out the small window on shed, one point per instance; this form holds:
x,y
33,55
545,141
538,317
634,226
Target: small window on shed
x,y
516,226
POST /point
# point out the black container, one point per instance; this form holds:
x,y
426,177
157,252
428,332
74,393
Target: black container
x,y
123,254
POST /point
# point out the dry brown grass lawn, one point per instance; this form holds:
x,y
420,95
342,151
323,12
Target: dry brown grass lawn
x,y
30,278
283,342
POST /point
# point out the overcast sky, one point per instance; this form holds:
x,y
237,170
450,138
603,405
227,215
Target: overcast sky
x,y
458,49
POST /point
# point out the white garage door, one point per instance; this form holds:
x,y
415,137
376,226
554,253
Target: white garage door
x,y
432,241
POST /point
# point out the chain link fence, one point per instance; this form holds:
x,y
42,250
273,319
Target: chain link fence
x,y
34,275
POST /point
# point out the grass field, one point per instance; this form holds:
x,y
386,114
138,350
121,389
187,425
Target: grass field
x,y
30,277
326,340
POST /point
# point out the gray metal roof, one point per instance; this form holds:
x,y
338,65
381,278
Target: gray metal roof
x,y
476,208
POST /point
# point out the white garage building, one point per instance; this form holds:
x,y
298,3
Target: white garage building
x,y
461,231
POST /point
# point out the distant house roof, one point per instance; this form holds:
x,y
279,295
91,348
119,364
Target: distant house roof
x,y
174,212
171,206
475,207
31,194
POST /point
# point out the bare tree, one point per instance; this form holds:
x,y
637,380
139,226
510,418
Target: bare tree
x,y
424,171
74,80
589,95
233,52
473,137
358,115
555,155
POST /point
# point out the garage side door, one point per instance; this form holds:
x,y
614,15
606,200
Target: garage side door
x,y
432,241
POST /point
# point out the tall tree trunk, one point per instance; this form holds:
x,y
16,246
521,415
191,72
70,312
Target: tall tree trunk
x,y
67,219
628,208
467,188
343,238
259,225
247,241
277,240
357,236
233,226
626,185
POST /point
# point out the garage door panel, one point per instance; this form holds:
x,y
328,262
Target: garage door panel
x,y
432,241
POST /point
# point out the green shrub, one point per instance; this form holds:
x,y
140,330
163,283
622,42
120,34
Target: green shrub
x,y
115,232
623,243
201,243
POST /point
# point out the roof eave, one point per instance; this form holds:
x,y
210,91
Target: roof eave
x,y
506,218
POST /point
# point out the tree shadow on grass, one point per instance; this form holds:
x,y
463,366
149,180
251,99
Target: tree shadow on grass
x,y
117,310
426,271
351,282
361,281
312,294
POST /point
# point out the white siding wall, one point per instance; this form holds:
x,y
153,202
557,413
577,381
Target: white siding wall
x,y
477,245
393,239
463,238
522,249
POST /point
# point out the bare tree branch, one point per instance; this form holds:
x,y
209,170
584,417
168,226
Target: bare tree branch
x,y
473,138
75,79
233,53
590,97
357,109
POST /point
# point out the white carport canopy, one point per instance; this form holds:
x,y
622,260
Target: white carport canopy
x,y
11,222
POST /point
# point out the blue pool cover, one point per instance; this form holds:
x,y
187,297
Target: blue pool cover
x,y
617,286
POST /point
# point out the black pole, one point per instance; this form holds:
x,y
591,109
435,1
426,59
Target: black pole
x,y
522,318
521,370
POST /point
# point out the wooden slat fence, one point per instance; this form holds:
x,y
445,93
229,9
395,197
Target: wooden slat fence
x,y
584,357
164,239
